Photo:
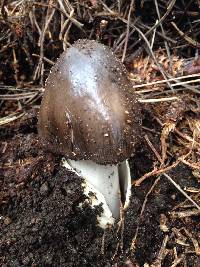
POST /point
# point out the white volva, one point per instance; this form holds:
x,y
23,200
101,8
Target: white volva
x,y
107,182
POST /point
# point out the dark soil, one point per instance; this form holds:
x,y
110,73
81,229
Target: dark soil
x,y
42,225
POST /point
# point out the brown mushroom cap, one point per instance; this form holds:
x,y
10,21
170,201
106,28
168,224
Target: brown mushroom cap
x,y
88,110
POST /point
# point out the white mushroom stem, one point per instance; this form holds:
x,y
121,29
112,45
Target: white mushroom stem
x,y
112,181
105,178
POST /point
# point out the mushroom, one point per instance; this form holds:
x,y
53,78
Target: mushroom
x,y
89,115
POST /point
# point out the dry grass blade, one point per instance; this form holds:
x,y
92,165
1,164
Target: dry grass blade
x,y
170,80
152,100
18,96
11,118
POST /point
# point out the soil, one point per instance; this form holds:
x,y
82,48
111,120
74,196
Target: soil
x,y
42,225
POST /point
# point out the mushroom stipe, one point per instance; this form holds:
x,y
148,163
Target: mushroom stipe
x,y
89,115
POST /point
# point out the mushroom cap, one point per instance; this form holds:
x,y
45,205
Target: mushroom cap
x,y
88,111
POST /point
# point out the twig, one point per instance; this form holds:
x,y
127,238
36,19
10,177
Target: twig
x,y
183,214
127,31
162,253
174,183
163,32
178,260
182,191
169,8
187,38
154,58
45,59
133,242
155,172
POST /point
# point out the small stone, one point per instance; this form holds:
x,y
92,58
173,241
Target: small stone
x,y
7,221
44,188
